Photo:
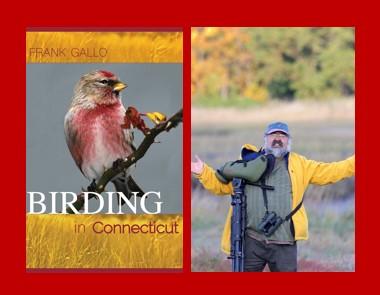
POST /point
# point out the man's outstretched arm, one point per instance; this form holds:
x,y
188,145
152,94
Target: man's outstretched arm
x,y
206,176
324,173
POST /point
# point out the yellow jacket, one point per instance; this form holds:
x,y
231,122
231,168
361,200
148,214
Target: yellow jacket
x,y
302,172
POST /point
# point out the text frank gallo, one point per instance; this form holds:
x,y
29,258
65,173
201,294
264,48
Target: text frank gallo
x,y
39,52
111,203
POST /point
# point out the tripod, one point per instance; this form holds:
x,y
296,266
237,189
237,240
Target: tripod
x,y
238,224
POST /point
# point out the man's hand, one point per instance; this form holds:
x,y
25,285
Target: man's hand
x,y
197,166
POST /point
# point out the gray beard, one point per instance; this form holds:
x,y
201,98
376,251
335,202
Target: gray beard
x,y
278,152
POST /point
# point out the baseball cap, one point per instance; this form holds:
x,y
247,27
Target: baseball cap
x,y
277,126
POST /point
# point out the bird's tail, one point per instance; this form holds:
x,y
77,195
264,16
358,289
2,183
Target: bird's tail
x,y
127,185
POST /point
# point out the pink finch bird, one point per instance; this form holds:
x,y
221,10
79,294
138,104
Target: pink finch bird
x,y
93,129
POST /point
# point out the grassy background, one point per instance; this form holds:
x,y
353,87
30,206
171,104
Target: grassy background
x,y
51,242
327,136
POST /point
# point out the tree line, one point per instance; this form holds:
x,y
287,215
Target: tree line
x,y
258,64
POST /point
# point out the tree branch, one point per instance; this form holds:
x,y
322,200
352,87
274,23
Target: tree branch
x,y
120,166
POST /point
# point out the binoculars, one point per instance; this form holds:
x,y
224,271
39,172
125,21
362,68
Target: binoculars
x,y
269,223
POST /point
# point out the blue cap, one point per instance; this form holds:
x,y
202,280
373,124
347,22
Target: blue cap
x,y
277,126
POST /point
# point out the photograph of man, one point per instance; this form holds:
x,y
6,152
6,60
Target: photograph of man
x,y
273,137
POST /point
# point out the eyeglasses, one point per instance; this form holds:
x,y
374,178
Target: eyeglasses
x,y
278,135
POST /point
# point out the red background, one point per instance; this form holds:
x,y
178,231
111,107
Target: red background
x,y
18,16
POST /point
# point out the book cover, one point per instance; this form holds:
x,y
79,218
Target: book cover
x,y
104,150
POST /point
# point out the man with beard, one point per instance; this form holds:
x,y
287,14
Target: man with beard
x,y
291,175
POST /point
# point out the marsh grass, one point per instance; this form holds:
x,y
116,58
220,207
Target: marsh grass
x,y
52,243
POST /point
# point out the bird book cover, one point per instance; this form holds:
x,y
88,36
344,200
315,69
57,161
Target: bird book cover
x,y
104,150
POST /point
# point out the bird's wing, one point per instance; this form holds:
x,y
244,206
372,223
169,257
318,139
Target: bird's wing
x,y
73,140
127,131
129,135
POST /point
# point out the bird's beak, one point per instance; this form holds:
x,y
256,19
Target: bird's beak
x,y
119,86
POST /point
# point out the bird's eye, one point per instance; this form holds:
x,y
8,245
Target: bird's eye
x,y
103,81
